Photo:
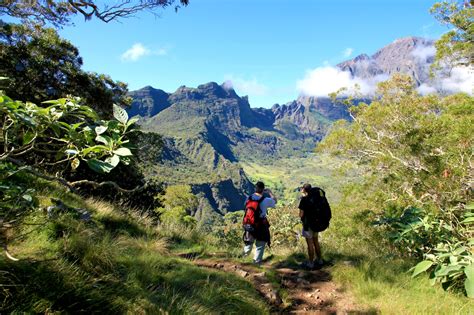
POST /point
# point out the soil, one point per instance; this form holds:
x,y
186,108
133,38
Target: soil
x,y
290,290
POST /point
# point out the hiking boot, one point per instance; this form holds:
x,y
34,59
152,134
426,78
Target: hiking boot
x,y
318,264
307,265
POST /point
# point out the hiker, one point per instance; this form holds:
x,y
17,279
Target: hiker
x,y
255,223
315,215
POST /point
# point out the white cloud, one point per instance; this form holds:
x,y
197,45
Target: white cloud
x,y
348,52
138,51
459,79
426,89
243,86
135,52
424,52
325,80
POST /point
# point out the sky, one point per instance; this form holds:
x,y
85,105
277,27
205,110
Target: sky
x,y
264,47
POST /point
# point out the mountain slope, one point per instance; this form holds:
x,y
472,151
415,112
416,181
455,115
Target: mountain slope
x,y
210,129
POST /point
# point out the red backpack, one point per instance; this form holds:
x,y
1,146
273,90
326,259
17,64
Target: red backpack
x,y
252,214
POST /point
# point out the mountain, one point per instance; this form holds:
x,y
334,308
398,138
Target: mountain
x,y
411,55
209,130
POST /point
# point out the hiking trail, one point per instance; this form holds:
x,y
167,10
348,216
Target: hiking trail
x,y
288,289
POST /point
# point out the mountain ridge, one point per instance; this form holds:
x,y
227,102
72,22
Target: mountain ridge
x,y
212,129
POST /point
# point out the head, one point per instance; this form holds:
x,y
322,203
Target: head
x,y
259,187
306,189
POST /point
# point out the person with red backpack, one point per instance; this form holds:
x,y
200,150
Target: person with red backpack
x,y
315,214
255,223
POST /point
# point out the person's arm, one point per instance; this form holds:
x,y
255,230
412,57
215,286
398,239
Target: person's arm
x,y
272,196
301,206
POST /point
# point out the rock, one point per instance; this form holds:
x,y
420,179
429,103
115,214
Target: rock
x,y
274,297
289,284
242,273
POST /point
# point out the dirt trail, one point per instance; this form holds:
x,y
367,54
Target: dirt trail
x,y
290,290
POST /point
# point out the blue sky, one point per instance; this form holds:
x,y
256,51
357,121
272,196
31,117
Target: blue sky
x,y
263,46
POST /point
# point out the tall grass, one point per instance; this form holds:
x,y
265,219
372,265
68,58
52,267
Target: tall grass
x,y
119,262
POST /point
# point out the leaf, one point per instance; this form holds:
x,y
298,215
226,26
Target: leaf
x,y
469,286
123,152
28,137
422,267
100,129
468,220
470,206
75,163
102,139
132,121
28,198
469,271
120,114
99,166
96,149
113,160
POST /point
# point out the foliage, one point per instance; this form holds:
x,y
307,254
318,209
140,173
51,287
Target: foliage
x,y
61,136
456,47
179,205
284,226
61,12
63,133
41,66
119,262
419,153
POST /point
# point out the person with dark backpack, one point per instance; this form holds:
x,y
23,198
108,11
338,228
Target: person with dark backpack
x,y
255,223
315,214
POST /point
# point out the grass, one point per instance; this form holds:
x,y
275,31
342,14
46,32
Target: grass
x,y
119,262
377,276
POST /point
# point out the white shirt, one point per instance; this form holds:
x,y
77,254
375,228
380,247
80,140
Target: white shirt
x,y
265,204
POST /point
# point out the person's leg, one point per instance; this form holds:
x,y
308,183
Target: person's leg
x,y
248,248
259,250
310,243
317,247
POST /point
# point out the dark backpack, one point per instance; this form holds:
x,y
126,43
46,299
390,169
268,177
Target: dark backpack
x,y
320,215
252,214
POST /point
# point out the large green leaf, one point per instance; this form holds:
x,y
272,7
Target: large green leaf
x,y
422,267
96,149
469,286
468,220
100,129
100,166
102,139
113,160
120,114
132,121
123,152
469,271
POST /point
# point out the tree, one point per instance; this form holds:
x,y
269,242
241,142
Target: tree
x,y
456,47
40,66
60,13
179,205
419,159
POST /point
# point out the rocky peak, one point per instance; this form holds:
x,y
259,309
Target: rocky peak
x,y
148,102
